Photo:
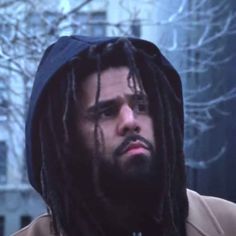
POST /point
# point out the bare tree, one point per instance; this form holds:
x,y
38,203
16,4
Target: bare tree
x,y
187,31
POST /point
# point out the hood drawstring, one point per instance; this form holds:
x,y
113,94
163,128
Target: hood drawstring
x,y
136,234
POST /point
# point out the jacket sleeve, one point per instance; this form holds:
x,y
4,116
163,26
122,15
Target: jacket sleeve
x,y
41,226
225,212
210,216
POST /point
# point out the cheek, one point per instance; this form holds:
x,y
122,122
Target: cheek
x,y
106,132
108,128
86,131
109,136
150,127
147,128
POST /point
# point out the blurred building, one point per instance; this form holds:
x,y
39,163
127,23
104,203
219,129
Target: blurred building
x,y
19,202
26,23
217,146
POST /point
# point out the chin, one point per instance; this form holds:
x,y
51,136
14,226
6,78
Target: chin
x,y
138,164
127,178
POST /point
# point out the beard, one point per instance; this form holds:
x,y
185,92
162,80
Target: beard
x,y
137,182
131,195
120,198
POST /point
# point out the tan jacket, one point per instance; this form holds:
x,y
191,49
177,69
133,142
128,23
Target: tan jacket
x,y
208,216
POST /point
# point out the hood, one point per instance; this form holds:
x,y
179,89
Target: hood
x,y
55,57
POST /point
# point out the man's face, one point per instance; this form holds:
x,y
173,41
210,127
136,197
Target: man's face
x,y
125,126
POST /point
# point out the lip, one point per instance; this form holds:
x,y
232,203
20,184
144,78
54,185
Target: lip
x,y
137,145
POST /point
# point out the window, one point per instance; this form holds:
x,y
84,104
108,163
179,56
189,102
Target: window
x,y
3,162
33,21
2,223
25,220
83,23
6,28
135,28
90,23
24,171
3,100
38,22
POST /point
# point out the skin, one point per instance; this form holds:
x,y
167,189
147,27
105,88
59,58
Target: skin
x,y
119,117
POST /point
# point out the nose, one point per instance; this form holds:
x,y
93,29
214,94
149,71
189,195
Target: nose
x,y
127,122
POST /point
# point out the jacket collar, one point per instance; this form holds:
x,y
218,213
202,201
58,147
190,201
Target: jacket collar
x,y
201,221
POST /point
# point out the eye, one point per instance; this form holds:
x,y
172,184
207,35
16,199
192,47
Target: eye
x,y
107,112
103,110
141,105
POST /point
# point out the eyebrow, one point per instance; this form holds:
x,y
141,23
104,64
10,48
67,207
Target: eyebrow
x,y
111,102
101,105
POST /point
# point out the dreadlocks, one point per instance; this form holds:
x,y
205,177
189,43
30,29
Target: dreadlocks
x,y
73,204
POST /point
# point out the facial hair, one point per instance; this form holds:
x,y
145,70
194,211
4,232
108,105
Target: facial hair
x,y
130,198
134,183
119,199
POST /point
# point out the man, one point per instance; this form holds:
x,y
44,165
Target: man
x,y
104,142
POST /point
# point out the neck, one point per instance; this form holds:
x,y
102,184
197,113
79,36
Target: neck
x,y
127,216
131,204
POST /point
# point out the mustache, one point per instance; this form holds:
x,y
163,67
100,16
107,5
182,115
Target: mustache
x,y
132,138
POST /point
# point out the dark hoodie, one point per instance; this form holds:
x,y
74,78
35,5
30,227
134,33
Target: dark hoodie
x,y
57,56
203,212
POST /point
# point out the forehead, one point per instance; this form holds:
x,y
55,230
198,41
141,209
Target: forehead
x,y
113,83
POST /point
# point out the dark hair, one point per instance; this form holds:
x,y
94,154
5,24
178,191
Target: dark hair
x,y
69,198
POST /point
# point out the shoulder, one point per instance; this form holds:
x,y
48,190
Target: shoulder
x,y
38,227
218,206
205,211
